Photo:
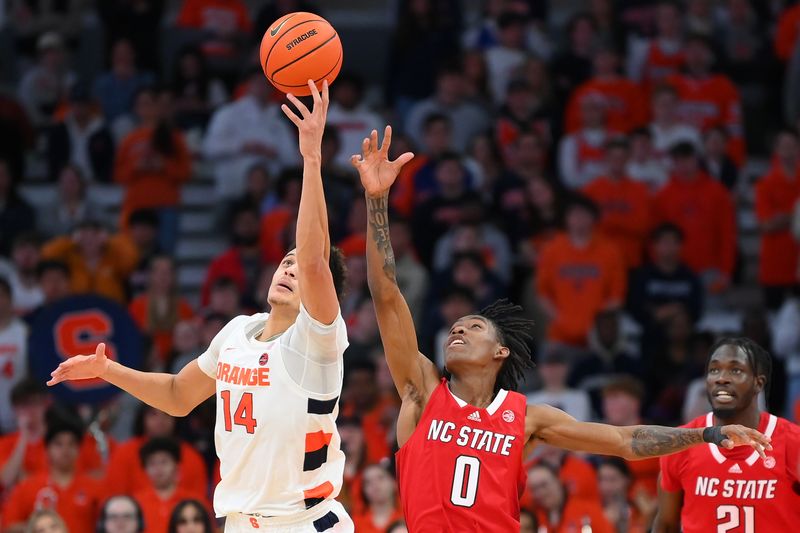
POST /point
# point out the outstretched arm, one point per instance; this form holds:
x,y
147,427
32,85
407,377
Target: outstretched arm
x,y
317,291
557,428
175,394
414,375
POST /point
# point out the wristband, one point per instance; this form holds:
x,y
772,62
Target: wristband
x,y
714,435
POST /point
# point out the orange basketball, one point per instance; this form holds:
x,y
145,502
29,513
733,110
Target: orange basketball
x,y
299,47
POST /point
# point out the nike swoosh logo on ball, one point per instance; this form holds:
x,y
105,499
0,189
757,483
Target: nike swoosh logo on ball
x,y
274,31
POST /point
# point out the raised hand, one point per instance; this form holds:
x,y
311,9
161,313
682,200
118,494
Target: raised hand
x,y
81,367
376,171
736,435
312,124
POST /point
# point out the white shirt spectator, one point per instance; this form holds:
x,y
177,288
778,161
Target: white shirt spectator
x,y
238,124
353,125
501,63
665,138
467,118
25,298
579,162
13,367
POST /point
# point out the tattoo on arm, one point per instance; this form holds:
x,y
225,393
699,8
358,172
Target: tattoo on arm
x,y
378,218
651,441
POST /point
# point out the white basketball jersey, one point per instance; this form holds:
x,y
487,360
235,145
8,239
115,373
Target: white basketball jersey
x,y
278,445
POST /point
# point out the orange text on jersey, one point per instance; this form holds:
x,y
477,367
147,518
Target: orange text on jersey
x,y
236,375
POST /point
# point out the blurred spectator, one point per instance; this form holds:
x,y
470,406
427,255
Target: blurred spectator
x,y
222,27
577,475
742,39
16,215
20,273
787,347
16,134
625,514
700,17
579,275
527,522
341,186
475,234
380,495
467,119
197,92
350,116
622,406
716,160
673,357
225,299
507,54
470,270
424,39
44,86
543,218
245,132
98,263
242,262
120,514
70,207
476,74
54,279
776,193
61,487
581,155
668,127
444,208
421,178
32,19
645,165
545,107
160,458
143,233
621,98
140,23
82,139
485,163
483,33
625,207
652,61
709,99
607,19
152,164
277,230
704,211
185,345
557,510
260,189
523,112
398,527
46,521
13,354
574,65
788,31
355,459
125,474
117,89
664,285
362,399
608,359
190,516
158,310
412,277
21,451
553,368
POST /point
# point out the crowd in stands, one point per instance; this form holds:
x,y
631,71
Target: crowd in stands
x,y
629,171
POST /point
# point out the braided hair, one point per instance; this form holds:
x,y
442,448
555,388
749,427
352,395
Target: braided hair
x,y
515,332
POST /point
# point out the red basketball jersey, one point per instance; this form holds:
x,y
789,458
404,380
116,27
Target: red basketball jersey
x,y
735,491
461,470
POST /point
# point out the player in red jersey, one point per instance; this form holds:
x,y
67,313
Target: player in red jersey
x,y
460,462
712,490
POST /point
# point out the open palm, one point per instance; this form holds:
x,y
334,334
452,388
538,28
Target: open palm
x,y
81,367
373,165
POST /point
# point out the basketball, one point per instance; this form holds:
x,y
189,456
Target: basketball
x,y
299,47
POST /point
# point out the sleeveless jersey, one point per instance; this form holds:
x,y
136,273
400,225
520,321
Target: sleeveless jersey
x,y
277,443
735,491
461,470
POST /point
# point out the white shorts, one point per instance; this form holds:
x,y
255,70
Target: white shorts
x,y
328,516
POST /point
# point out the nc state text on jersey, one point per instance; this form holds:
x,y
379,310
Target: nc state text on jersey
x,y
236,375
741,489
477,439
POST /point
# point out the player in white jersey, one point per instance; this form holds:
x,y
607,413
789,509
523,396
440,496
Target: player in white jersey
x,y
277,377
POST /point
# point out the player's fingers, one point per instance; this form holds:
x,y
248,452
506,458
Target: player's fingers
x,y
728,443
365,148
101,350
373,141
387,139
299,105
289,113
325,94
355,160
403,159
314,92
